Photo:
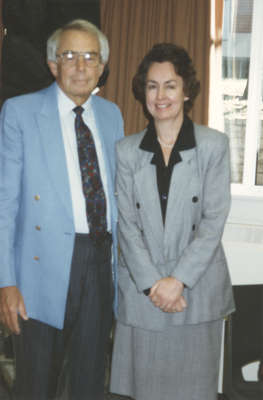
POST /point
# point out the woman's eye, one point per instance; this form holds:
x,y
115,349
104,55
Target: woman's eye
x,y
149,87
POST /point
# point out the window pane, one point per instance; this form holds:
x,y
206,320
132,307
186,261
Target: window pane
x,y
237,25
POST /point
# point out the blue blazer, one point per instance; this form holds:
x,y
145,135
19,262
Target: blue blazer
x,y
36,218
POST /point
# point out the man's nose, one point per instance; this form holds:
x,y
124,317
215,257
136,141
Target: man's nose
x,y
80,63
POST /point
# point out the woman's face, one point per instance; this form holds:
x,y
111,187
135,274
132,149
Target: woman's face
x,y
164,92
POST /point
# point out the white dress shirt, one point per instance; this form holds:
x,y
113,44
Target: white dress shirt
x,y
67,120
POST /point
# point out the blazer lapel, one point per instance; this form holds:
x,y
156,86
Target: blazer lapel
x,y
53,145
147,195
181,184
106,140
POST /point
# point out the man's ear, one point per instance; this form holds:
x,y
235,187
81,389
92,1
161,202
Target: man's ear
x,y
53,66
101,68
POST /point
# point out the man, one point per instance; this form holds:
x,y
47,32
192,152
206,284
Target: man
x,y
57,218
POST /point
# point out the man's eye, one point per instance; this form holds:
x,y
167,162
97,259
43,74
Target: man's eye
x,y
69,56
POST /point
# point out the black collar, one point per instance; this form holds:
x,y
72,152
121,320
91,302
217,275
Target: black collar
x,y
185,141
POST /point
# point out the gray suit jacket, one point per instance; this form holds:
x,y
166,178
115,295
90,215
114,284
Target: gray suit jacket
x,y
189,246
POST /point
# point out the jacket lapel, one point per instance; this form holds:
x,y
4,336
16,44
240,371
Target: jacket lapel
x,y
106,145
53,146
148,198
182,183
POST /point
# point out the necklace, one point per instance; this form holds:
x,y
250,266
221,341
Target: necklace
x,y
168,145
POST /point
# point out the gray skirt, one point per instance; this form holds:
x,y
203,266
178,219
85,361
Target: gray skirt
x,y
181,363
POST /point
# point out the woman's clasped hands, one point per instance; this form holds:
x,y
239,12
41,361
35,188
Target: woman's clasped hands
x,y
166,294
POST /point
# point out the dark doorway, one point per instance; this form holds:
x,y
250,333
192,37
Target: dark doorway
x,y
27,25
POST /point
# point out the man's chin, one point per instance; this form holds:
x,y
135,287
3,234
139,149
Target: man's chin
x,y
79,97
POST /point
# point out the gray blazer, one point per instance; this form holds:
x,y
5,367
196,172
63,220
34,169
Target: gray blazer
x,y
189,246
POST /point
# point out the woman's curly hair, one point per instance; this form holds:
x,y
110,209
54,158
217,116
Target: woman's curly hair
x,y
183,66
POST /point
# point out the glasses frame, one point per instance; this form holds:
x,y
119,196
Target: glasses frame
x,y
87,57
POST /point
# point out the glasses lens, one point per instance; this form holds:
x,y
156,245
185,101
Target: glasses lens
x,y
69,56
91,59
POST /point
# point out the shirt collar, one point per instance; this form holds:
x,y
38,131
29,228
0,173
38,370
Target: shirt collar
x,y
185,141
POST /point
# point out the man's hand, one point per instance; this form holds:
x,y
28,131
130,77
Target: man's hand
x,y
167,295
12,304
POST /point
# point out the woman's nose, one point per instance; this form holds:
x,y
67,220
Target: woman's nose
x,y
160,93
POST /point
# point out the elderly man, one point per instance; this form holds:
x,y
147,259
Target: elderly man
x,y
58,221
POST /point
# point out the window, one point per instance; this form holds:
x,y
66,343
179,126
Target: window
x,y
241,90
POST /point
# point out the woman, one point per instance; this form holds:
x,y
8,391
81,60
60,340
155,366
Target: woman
x,y
173,186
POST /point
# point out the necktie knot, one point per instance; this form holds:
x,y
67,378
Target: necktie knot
x,y
78,110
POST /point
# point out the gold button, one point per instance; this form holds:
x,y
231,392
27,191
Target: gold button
x,y
36,258
37,197
38,228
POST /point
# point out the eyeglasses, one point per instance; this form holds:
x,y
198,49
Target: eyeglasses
x,y
69,57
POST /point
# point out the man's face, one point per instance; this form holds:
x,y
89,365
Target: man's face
x,y
77,80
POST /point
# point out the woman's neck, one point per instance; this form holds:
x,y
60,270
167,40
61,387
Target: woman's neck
x,y
167,131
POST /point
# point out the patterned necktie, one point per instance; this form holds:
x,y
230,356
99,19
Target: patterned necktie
x,y
91,179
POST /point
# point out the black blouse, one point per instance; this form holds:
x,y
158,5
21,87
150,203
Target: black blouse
x,y
185,141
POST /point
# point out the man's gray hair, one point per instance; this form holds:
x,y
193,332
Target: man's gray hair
x,y
78,25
